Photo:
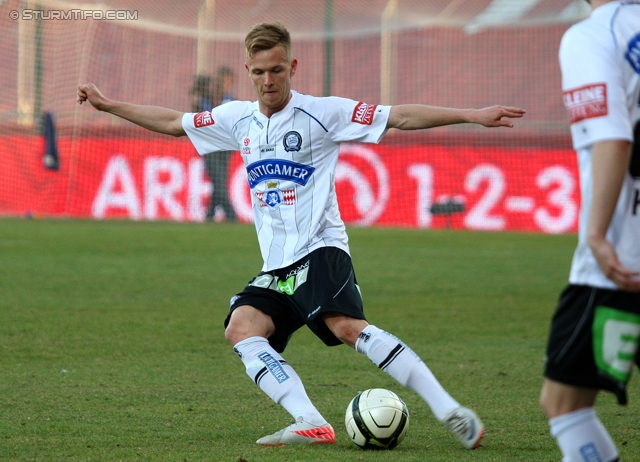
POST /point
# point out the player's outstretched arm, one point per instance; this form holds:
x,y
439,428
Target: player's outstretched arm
x,y
419,116
154,118
610,164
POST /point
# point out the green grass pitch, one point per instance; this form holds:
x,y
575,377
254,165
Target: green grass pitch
x,y
112,346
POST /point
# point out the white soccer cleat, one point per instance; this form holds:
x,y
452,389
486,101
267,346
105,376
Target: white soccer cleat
x,y
300,432
465,426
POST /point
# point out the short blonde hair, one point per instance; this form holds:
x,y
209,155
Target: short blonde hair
x,y
266,36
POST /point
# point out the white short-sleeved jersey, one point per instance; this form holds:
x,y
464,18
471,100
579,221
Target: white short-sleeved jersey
x,y
600,62
290,160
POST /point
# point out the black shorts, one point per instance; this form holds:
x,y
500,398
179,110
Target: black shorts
x,y
321,282
594,339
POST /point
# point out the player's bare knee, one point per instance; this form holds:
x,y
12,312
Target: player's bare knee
x,y
558,399
232,335
549,400
246,321
552,408
235,332
547,409
345,328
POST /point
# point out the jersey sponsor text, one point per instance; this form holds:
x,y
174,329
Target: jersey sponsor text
x,y
274,366
586,102
363,113
278,169
203,119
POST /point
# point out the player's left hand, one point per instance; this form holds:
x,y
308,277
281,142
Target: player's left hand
x,y
608,262
492,116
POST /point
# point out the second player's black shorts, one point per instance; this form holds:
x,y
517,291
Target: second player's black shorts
x,y
321,282
594,339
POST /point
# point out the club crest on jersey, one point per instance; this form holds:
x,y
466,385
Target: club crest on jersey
x,y
278,169
273,197
363,113
292,141
203,119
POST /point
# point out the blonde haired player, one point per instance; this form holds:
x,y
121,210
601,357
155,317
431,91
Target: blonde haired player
x,y
290,143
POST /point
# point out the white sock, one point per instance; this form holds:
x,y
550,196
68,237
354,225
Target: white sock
x,y
277,379
582,437
399,361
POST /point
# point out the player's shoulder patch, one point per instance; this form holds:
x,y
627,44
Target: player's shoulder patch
x,y
632,55
586,102
363,113
203,119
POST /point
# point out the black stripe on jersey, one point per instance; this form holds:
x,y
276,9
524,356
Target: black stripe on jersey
x,y
319,123
261,373
393,355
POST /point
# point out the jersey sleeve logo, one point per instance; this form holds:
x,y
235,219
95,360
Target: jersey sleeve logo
x,y
363,113
203,119
586,102
633,53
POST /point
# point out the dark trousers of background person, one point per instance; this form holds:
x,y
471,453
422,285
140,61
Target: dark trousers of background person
x,y
217,166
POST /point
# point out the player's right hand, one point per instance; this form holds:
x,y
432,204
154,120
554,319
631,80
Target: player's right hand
x,y
89,92
493,116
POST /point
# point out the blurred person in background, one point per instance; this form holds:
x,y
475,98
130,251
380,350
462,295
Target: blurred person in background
x,y
202,97
217,163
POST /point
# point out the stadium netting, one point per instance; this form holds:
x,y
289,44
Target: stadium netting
x,y
457,53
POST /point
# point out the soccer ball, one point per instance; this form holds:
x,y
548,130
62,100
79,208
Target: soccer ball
x,y
377,419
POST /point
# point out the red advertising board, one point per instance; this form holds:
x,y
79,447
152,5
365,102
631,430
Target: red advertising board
x,y
484,188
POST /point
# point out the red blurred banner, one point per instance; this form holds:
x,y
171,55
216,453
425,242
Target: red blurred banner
x,y
492,188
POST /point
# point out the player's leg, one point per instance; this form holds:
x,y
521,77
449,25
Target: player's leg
x,y
330,302
246,321
588,322
395,358
399,361
558,398
248,330
574,423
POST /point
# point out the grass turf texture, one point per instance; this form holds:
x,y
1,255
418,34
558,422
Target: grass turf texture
x,y
112,346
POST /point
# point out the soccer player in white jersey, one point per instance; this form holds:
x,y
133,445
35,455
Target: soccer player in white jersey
x,y
596,328
289,143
